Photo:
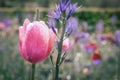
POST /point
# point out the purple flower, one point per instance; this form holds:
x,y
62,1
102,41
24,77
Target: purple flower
x,y
85,24
72,26
99,26
71,9
55,14
114,19
82,37
8,22
100,37
88,50
64,4
96,62
89,66
117,36
52,24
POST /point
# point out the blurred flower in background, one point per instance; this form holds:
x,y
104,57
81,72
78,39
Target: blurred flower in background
x,y
84,26
87,69
90,47
117,36
82,37
99,26
114,19
101,37
2,25
96,58
8,22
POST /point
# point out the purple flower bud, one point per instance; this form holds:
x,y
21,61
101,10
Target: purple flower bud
x,y
72,26
71,9
55,14
64,4
52,24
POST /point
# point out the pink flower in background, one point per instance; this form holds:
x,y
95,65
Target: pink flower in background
x,y
109,37
67,44
2,25
36,41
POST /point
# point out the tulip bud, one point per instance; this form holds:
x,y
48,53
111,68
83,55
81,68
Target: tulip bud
x,y
67,45
36,41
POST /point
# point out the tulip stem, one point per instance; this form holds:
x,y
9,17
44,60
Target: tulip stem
x,y
33,72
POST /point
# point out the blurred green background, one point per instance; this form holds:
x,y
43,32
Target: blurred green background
x,y
85,3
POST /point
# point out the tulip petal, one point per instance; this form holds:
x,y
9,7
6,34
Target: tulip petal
x,y
26,22
22,48
36,41
51,42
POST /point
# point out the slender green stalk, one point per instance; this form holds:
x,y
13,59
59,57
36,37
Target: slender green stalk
x,y
60,50
33,72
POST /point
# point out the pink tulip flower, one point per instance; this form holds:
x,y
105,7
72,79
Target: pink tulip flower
x,y
67,45
36,41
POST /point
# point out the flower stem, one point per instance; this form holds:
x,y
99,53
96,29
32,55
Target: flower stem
x,y
60,49
33,72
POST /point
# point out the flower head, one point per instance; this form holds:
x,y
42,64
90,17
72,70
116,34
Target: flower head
x,y
71,27
71,9
99,26
96,58
82,37
8,22
64,4
2,25
117,36
109,37
101,37
36,41
67,45
84,26
52,24
114,19
91,47
55,14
